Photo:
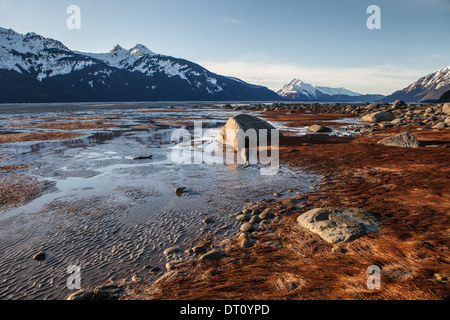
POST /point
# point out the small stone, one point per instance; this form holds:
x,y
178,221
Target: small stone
x,y
180,191
155,270
245,241
82,294
319,128
136,278
213,255
171,251
255,220
266,215
247,227
40,256
273,244
108,292
440,277
243,217
199,249
208,220
338,250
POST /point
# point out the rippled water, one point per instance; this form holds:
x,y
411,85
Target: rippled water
x,y
112,215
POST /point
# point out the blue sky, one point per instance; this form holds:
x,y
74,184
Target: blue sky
x,y
323,42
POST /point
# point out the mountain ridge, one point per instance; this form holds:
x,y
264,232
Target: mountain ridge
x,y
427,89
297,89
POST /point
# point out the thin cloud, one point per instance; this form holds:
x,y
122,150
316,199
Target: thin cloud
x,y
234,21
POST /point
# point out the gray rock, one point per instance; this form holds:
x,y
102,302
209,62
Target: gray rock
x,y
247,227
213,255
338,225
319,128
266,215
108,292
404,140
208,220
378,117
238,125
40,256
199,249
255,220
245,241
171,251
243,217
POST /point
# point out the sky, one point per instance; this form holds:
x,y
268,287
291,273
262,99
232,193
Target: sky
x,y
323,42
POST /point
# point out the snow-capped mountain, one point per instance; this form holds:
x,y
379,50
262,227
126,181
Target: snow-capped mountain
x,y
428,88
300,90
38,69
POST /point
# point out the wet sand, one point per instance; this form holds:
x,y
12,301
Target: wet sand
x,y
78,193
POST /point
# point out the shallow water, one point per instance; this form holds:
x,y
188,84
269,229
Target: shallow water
x,y
112,215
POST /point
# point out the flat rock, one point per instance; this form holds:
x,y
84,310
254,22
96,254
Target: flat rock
x,y
172,251
378,117
213,255
403,140
319,128
338,225
82,294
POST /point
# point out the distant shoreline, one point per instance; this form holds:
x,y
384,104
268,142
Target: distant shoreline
x,y
71,106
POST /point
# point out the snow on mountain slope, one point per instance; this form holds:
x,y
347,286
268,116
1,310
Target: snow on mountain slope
x,y
34,54
433,81
38,69
142,59
428,88
45,57
299,89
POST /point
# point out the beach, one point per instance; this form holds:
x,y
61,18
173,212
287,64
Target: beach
x,y
101,193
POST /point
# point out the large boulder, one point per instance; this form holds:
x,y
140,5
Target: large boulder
x,y
404,140
235,130
338,225
378,117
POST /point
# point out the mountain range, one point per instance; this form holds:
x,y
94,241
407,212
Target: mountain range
x,y
38,69
300,90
